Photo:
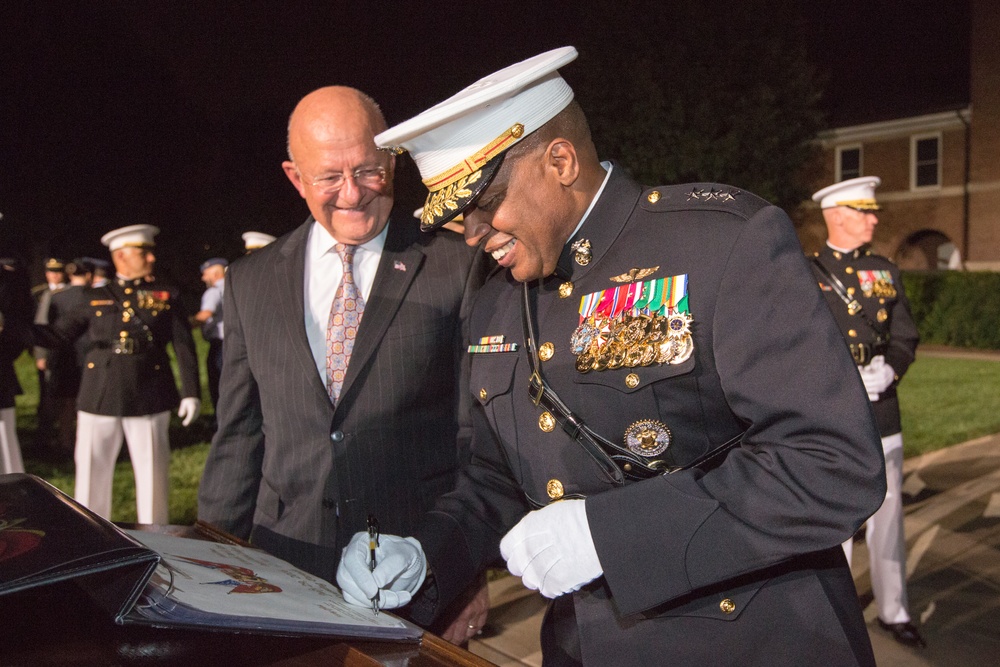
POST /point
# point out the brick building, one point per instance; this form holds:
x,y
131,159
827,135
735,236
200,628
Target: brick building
x,y
940,170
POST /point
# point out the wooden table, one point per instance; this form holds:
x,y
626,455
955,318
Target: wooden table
x,y
60,625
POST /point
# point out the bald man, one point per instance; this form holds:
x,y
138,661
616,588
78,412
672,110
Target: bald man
x,y
340,392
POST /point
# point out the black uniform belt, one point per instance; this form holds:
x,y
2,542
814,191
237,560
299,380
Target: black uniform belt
x,y
125,346
616,461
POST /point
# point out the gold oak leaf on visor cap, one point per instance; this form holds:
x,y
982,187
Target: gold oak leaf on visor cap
x,y
458,145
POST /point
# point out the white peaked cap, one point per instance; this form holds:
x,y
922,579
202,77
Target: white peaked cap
x,y
255,240
856,193
455,143
133,236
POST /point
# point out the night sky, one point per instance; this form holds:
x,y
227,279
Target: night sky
x,y
174,113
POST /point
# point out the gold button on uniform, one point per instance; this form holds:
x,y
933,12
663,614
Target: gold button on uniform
x,y
631,380
850,291
653,197
97,313
727,606
483,394
128,290
555,489
546,351
126,303
546,422
852,333
849,270
565,289
90,365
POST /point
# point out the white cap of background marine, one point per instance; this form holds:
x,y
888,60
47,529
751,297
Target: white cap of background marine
x,y
856,193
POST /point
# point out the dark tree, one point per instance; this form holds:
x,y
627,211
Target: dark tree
x,y
708,91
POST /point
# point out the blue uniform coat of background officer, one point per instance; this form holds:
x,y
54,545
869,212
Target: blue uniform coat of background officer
x,y
739,564
882,337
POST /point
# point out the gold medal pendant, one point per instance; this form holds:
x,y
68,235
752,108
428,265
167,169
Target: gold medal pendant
x,y
683,350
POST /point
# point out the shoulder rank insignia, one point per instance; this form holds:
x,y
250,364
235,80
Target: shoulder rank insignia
x,y
635,324
712,194
634,274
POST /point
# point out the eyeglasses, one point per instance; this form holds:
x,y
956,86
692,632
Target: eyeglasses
x,y
369,177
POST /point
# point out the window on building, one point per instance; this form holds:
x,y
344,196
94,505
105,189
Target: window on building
x,y
848,162
926,161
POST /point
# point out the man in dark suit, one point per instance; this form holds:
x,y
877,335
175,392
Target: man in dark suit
x,y
666,321
312,440
865,294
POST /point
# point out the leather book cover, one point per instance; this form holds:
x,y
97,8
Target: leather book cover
x,y
46,537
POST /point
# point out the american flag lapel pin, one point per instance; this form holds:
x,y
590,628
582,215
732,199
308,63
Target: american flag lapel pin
x,y
399,266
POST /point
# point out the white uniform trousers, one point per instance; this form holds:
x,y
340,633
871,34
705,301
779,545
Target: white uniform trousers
x,y
887,541
98,442
10,448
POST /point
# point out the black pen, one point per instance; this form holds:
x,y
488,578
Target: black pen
x,y
372,544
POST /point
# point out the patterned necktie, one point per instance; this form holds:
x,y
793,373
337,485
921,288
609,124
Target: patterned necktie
x,y
342,328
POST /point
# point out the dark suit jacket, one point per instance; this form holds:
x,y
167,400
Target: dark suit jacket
x,y
761,530
299,477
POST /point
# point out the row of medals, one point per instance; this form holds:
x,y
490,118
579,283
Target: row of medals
x,y
630,340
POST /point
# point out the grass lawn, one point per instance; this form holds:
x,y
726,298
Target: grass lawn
x,y
944,402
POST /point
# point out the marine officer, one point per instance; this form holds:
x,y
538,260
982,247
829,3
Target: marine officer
x,y
128,387
631,331
865,293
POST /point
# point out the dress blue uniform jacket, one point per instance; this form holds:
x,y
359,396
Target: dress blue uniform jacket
x,y
885,306
738,565
139,383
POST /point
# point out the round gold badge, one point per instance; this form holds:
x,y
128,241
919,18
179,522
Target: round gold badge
x,y
555,489
565,289
653,197
647,437
546,351
546,422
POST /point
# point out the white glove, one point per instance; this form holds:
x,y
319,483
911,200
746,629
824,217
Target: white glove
x,y
189,410
400,571
551,549
876,376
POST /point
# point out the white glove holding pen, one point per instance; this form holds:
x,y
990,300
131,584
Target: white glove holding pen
x,y
399,572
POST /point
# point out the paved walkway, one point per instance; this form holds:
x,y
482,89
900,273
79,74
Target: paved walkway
x,y
952,505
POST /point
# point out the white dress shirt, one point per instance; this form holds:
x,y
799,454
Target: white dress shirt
x,y
324,271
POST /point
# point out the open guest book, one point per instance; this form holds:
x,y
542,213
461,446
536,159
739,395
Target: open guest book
x,y
168,581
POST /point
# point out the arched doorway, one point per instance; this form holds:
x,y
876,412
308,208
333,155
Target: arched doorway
x,y
928,250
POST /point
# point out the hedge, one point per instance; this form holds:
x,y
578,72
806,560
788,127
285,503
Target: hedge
x,y
955,308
